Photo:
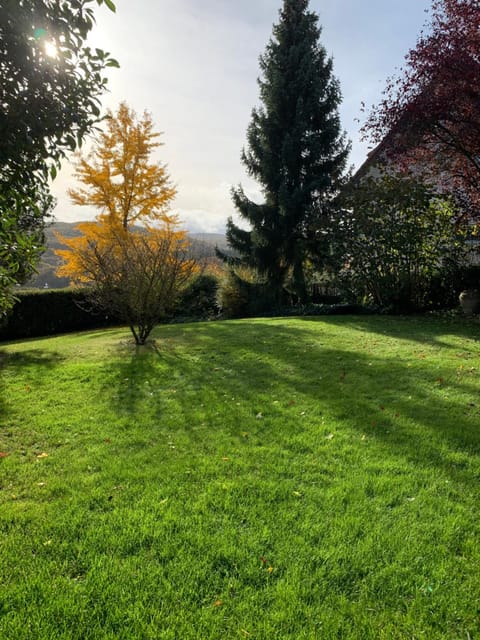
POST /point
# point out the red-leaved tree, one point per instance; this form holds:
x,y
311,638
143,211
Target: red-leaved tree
x,y
429,117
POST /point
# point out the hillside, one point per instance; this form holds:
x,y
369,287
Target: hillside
x,y
202,247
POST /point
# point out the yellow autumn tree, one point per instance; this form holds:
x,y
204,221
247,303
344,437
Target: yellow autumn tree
x,y
133,272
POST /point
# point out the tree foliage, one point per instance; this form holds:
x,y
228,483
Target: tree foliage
x,y
50,88
134,273
430,118
396,241
21,239
296,151
118,176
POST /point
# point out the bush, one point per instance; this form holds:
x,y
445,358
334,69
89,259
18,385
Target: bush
x,y
199,299
398,245
233,295
41,313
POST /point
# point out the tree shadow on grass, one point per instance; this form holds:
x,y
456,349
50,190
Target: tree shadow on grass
x,y
427,415
430,330
15,363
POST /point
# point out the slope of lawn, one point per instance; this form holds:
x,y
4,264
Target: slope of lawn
x,y
266,479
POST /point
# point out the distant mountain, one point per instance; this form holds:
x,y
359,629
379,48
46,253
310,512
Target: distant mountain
x,y
215,239
202,247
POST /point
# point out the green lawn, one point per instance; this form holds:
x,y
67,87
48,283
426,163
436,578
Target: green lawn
x,y
267,479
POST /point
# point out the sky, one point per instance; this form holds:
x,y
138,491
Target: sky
x,y
193,64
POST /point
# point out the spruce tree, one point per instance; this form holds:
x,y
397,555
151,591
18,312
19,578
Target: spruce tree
x,y
296,150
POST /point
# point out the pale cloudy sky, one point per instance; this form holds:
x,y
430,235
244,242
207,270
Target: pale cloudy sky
x,y
194,65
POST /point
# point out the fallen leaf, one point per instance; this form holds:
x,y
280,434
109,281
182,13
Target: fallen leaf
x,y
259,416
263,560
27,388
297,494
3,454
225,459
218,603
330,436
42,455
41,484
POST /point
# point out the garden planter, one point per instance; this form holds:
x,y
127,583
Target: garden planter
x,y
470,301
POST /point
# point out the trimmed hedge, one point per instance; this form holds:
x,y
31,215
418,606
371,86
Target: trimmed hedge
x,y
43,313
48,312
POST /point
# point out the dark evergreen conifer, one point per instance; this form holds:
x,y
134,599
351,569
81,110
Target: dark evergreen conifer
x,y
296,150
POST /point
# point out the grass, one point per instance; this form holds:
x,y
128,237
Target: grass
x,y
302,479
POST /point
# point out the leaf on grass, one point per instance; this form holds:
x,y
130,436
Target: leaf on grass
x,y
42,455
263,560
259,416
27,388
41,484
225,459
218,603
297,494
3,454
330,436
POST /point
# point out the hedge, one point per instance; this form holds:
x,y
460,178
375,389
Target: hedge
x,y
43,313
48,312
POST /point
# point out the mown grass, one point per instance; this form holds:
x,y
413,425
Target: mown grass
x,y
301,479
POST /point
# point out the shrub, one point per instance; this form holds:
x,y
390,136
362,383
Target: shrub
x,y
399,245
233,295
39,313
199,299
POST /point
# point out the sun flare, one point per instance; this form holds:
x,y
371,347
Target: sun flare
x,y
51,49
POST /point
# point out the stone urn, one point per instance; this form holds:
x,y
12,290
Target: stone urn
x,y
470,301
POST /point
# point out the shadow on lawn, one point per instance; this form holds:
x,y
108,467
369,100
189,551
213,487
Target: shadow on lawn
x,y
429,330
33,360
378,394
